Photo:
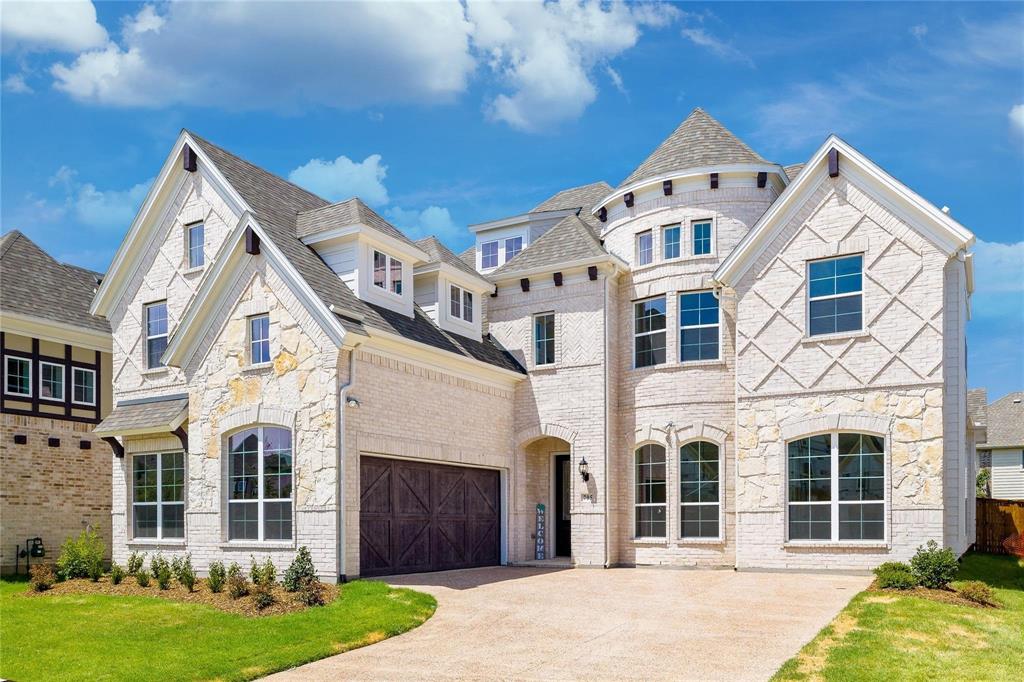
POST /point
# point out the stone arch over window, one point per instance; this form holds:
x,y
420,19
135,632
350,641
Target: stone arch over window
x,y
545,430
861,423
701,430
255,414
649,433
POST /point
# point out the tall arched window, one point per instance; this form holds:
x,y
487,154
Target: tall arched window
x,y
650,491
260,484
699,494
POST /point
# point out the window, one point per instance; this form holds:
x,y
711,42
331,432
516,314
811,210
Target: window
x,y
644,248
702,238
260,484
670,235
460,303
158,495
544,339
834,295
196,233
51,381
489,255
83,386
837,487
259,339
17,376
156,333
649,332
698,490
698,327
650,492
513,245
387,273
396,276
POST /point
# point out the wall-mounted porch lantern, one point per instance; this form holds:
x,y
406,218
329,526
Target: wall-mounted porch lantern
x,y
584,470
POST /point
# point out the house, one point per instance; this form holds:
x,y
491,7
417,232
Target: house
x,y
722,362
1002,449
54,473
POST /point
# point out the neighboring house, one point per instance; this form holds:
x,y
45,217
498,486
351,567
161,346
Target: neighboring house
x,y
1002,449
294,372
54,473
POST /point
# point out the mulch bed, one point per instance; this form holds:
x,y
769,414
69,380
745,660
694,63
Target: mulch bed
x,y
946,596
284,602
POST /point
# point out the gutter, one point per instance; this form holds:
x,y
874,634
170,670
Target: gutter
x,y
340,463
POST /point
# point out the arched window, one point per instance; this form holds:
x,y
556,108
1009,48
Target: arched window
x,y
260,484
699,493
836,487
650,491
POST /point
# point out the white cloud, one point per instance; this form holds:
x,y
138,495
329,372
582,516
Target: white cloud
x,y
998,279
616,79
69,26
919,31
344,178
146,20
65,177
1017,117
700,37
109,209
16,84
433,220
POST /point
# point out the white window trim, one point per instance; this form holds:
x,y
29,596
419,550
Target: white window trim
x,y
388,281
497,254
679,316
664,242
637,335
145,327
861,330
636,247
188,247
721,494
712,238
91,403
8,358
461,317
63,381
249,339
554,354
260,499
159,504
834,495
634,504
504,247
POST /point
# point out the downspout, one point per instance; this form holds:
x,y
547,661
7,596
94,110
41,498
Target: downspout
x,y
340,464
607,425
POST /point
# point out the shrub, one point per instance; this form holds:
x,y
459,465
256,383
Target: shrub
x,y
976,591
162,572
262,596
186,573
79,555
216,577
135,562
300,572
142,577
895,575
982,482
116,574
159,563
95,569
42,577
934,566
176,567
238,586
311,593
263,574
234,569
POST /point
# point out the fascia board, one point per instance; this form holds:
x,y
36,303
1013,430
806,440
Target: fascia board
x,y
57,332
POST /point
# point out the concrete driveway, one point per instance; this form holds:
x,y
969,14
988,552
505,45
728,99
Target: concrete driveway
x,y
527,623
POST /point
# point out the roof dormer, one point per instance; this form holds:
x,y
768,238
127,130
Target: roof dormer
x,y
450,291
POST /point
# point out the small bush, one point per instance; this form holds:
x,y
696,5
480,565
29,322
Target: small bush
x,y
135,562
934,566
186,573
262,596
217,576
234,569
263,574
300,572
981,483
116,574
159,563
976,591
163,575
79,555
42,577
142,577
311,593
895,575
238,586
95,569
176,566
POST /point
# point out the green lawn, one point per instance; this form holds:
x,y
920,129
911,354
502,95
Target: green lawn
x,y
885,636
146,638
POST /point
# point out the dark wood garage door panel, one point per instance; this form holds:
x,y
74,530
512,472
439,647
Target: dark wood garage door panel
x,y
416,516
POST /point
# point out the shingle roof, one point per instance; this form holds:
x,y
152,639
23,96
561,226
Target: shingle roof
x,y
33,283
439,253
584,197
469,257
276,204
570,240
1005,422
343,214
977,400
699,140
159,414
793,170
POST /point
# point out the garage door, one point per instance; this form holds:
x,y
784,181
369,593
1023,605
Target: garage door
x,y
426,517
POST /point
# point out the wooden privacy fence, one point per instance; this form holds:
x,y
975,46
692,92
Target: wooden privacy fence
x,y
1000,526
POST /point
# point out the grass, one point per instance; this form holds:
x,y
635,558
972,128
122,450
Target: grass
x,y
888,635
61,637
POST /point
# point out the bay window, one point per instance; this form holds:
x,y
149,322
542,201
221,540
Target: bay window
x,y
158,495
670,237
260,484
702,238
645,248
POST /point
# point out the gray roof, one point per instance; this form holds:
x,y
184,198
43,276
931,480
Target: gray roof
x,y
158,414
439,253
344,214
977,400
276,204
584,198
469,257
568,241
699,140
793,170
1005,422
33,283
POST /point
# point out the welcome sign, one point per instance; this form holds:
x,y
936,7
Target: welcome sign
x,y
541,530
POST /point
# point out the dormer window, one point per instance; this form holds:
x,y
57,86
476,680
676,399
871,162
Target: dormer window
x,y
387,273
460,303
513,246
489,255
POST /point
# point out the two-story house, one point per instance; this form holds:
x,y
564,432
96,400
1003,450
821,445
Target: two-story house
x,y
722,361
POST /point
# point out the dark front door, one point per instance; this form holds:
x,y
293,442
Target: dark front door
x,y
415,516
563,524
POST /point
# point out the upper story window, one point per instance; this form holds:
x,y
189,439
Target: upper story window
x,y
836,487
387,272
649,503
83,386
51,381
17,376
835,292
670,237
698,327
702,238
544,339
260,484
158,495
699,493
645,248
513,245
649,332
196,240
489,254
259,339
460,303
156,333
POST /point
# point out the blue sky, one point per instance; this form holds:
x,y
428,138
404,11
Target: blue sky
x,y
445,114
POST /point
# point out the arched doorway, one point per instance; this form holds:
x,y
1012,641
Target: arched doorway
x,y
549,483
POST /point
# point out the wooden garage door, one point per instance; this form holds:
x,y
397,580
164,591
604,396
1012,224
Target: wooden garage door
x,y
426,517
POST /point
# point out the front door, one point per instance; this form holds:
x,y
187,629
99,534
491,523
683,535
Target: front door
x,y
563,523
